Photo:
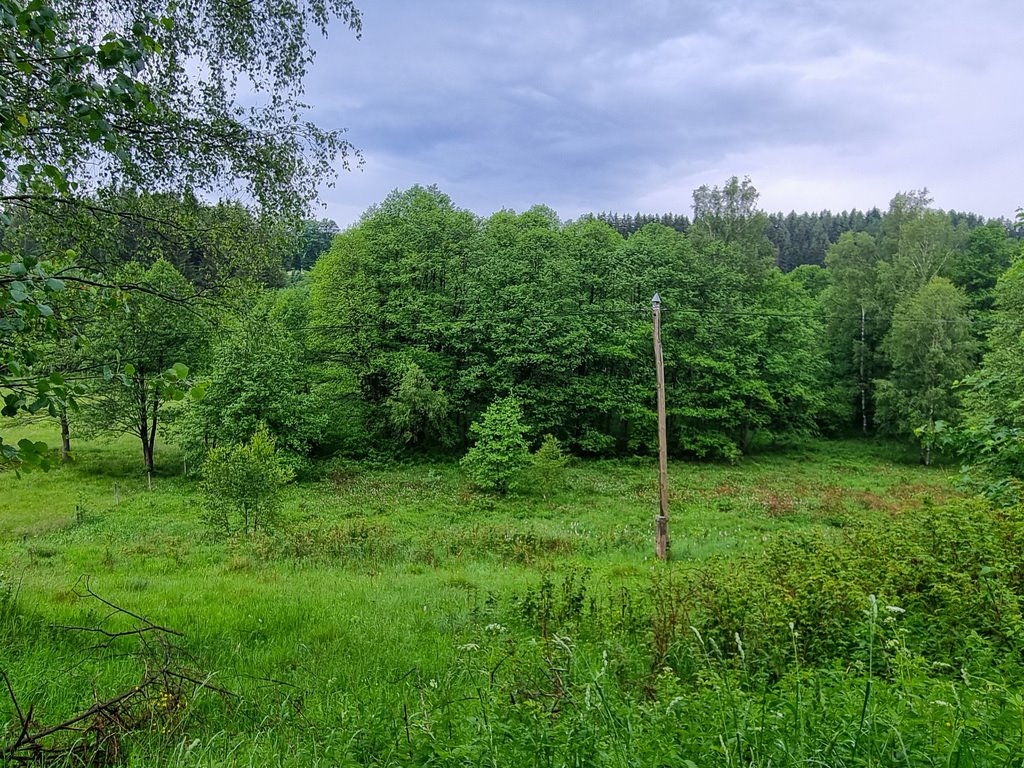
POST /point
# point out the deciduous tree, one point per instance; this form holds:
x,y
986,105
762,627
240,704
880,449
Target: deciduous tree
x,y
929,347
157,337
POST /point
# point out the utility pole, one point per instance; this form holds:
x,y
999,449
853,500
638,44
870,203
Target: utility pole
x,y
661,521
863,383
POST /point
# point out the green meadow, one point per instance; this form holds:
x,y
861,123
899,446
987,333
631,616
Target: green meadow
x,y
829,603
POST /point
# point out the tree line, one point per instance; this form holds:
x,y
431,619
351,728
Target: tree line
x,y
422,316
798,238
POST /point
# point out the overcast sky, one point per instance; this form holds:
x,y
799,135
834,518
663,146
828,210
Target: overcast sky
x,y
628,106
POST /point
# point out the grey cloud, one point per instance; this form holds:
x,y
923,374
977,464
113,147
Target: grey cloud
x,y
593,105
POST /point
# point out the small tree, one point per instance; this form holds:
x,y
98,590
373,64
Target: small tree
x,y
156,340
242,484
500,451
256,376
548,464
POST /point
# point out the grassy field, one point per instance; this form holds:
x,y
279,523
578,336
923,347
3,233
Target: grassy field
x,y
400,618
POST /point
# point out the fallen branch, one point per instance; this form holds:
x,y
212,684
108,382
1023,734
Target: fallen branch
x,y
161,691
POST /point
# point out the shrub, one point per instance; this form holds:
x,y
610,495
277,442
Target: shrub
x,y
500,451
242,484
548,465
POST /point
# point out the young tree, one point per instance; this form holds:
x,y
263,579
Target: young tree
x,y
156,334
257,378
929,348
416,408
857,322
500,451
242,484
547,464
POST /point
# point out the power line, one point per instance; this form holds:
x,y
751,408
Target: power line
x,y
641,311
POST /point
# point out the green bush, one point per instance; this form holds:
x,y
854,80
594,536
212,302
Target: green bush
x,y
946,582
547,466
242,484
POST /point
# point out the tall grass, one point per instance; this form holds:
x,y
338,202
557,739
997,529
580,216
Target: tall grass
x,y
825,606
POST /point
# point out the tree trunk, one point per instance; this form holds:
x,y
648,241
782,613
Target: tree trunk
x,y
151,437
143,424
147,455
65,436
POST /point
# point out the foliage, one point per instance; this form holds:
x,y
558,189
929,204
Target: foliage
x,y
97,95
873,275
157,337
256,378
500,452
987,253
221,248
422,314
856,323
730,214
97,91
386,298
929,348
242,484
547,465
314,240
559,314
992,436
416,409
28,328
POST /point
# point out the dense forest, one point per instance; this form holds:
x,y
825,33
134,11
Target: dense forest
x,y
798,238
415,321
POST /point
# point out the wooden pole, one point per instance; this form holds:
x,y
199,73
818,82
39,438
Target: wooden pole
x,y
863,383
661,521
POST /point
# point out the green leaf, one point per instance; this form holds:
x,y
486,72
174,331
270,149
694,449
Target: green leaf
x,y
198,392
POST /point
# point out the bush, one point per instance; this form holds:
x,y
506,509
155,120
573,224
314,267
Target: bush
x,y
242,484
500,451
548,465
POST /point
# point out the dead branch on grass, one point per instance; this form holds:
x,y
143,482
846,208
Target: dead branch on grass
x,y
94,735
